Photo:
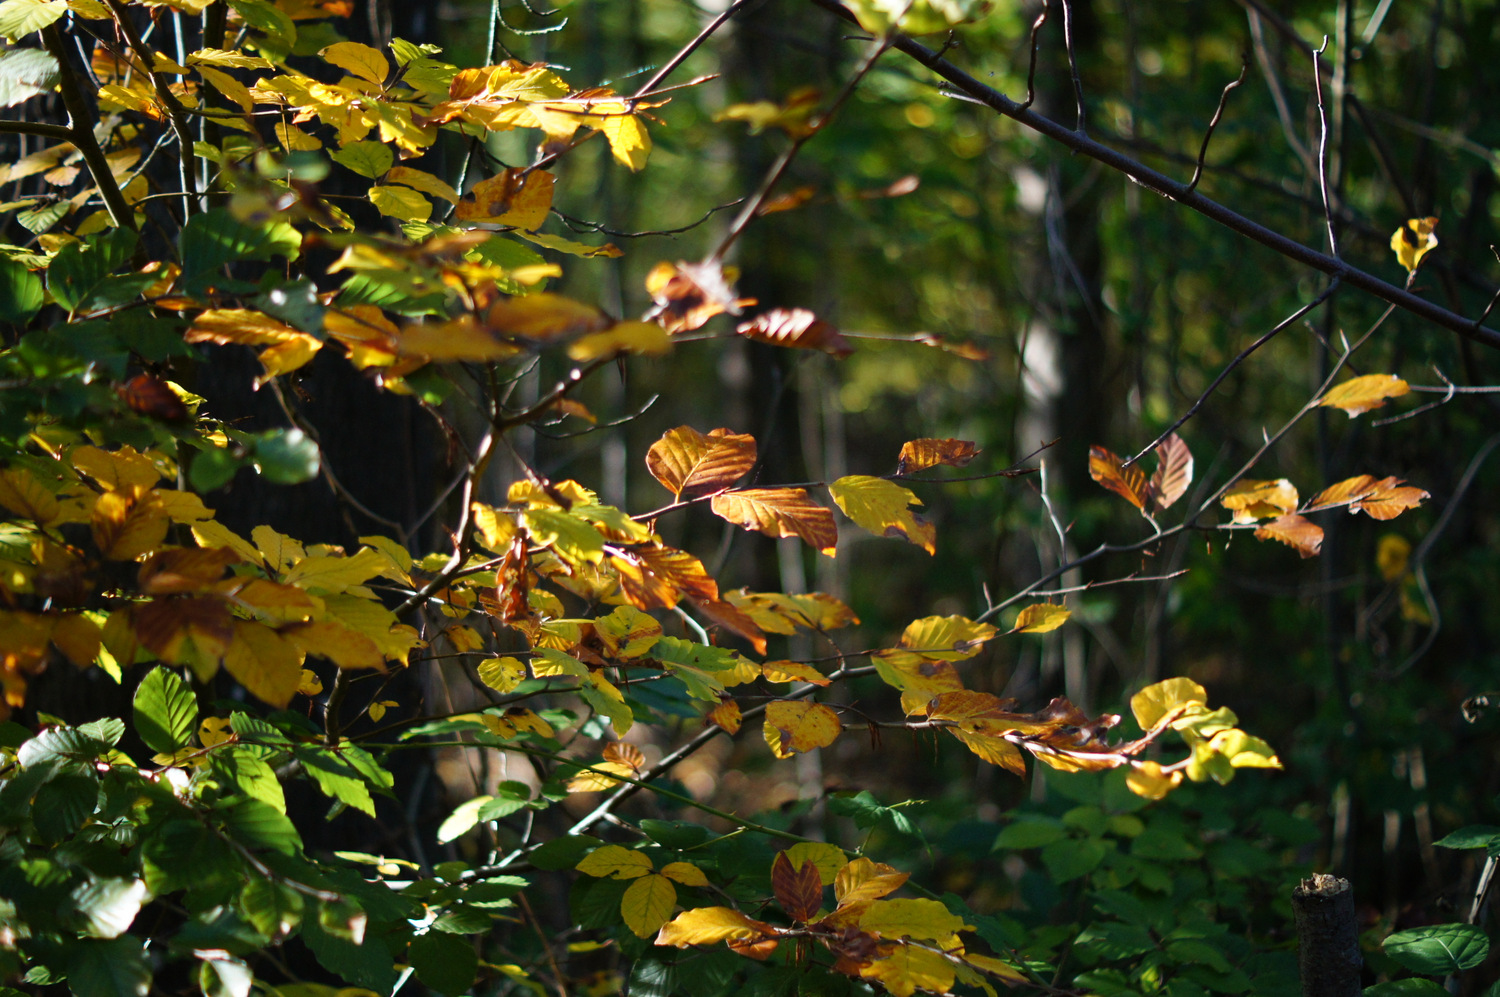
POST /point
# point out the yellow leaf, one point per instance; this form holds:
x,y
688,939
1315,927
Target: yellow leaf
x,y
793,671
231,58
685,873
640,338
794,726
995,967
615,862
1361,394
265,663
629,142
599,777
863,880
686,461
647,904
213,731
1154,702
994,749
460,339
369,617
423,181
908,969
880,506
278,549
1244,751
779,512
927,920
127,525
295,139
1392,555
1148,779
828,859
945,638
919,455
1413,241
228,86
776,612
793,117
513,197
708,925
401,203
1041,618
502,674
117,469
334,574
24,495
726,715
627,632
358,60
1252,500
570,246
377,709
308,683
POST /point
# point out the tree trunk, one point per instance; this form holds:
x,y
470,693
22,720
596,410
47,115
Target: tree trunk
x,y
1328,956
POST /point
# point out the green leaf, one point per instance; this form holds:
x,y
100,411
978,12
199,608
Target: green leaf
x,y
1439,949
215,237
212,469
1473,836
107,731
242,768
287,457
265,17
225,978
564,852
368,159
336,777
1067,860
109,905
1406,988
256,824
63,804
79,269
165,711
26,73
113,968
462,820
59,744
21,294
22,17
273,909
1030,832
444,962
867,811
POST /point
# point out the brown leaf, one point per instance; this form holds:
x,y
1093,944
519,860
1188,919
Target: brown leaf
x,y
191,631
689,294
966,351
148,395
799,890
688,462
728,616
625,754
918,455
1174,472
1128,482
797,328
1346,491
1388,501
657,577
1297,532
780,512
184,569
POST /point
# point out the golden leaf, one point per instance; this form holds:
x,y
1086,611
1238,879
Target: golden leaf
x,y
127,524
122,469
827,859
627,632
863,880
1298,532
647,904
779,512
545,316
776,612
1251,500
194,631
793,117
1392,555
639,338
1174,472
945,638
266,664
359,60
908,969
726,715
685,873
1128,482
1146,778
918,455
796,328
793,671
926,920
24,495
993,749
615,862
1154,702
513,197
400,203
1413,241
334,574
1361,394
599,777
709,925
1041,618
689,294
880,506
794,726
686,461
341,645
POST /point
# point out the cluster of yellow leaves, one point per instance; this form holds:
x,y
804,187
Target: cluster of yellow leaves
x,y
256,608
652,895
905,945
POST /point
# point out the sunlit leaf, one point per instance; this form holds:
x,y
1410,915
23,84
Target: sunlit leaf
x,y
400,203
780,512
689,294
863,880
360,60
1297,532
1174,472
512,197
880,506
1128,482
909,968
688,462
615,862
918,455
1148,779
793,726
708,925
797,328
1251,500
1413,241
1362,394
1041,618
726,715
1154,702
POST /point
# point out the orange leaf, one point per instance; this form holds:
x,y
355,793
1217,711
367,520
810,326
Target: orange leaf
x,y
1346,491
863,880
626,754
1365,393
799,890
793,671
686,461
797,328
1174,471
794,726
726,715
780,512
184,569
728,616
1296,532
1252,500
918,455
1389,501
1128,482
514,197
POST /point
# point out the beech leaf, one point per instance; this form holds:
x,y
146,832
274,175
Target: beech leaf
x,y
880,506
798,887
1174,472
1298,532
1041,618
1413,241
779,512
1127,482
918,455
1365,393
708,925
794,726
647,904
686,461
1252,500
797,328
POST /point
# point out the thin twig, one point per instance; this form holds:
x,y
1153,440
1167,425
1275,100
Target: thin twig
x,y
1218,113
1036,27
1333,241
1067,6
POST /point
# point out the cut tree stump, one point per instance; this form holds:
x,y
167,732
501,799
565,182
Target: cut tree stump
x,y
1328,956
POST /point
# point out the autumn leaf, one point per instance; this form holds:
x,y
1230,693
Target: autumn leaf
x,y
1297,532
793,726
1128,482
918,455
798,888
779,512
944,638
688,462
725,715
709,925
1041,618
880,506
1149,779
615,862
689,294
1361,394
1174,472
993,749
627,632
922,919
863,880
1379,499
826,858
910,968
1251,500
793,117
647,904
792,671
796,328
1157,701
1413,241
512,197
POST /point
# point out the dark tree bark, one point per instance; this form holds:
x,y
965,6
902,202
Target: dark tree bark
x,y
1328,958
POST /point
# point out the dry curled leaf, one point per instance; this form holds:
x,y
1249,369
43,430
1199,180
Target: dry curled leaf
x,y
797,328
689,294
